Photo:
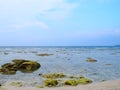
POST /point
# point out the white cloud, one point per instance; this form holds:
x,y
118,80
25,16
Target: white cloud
x,y
29,8
18,13
30,24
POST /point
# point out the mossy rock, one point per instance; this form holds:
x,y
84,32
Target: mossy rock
x,y
40,86
25,66
29,66
8,65
45,54
51,82
8,68
81,77
84,81
54,75
6,71
2,88
108,64
89,59
19,61
17,84
73,77
71,82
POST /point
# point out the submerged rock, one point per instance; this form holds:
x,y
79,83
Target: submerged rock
x,y
17,84
25,66
108,64
54,75
45,54
6,53
89,59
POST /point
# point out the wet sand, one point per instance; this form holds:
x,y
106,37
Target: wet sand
x,y
107,85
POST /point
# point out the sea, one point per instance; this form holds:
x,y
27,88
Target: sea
x,y
70,60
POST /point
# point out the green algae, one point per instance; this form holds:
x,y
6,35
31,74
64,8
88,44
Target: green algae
x,y
40,86
7,71
44,54
51,82
72,77
29,66
25,66
77,80
84,80
54,75
2,88
17,84
71,82
89,59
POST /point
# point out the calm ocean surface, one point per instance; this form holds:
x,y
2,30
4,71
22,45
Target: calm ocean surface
x,y
68,60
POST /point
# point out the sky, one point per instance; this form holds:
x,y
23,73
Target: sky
x,y
59,22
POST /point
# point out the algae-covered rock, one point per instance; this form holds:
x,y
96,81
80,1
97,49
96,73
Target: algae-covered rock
x,y
40,86
25,66
89,59
6,71
51,82
72,77
71,82
84,81
108,64
8,68
54,75
17,84
2,88
18,62
8,65
29,66
81,77
45,54
77,80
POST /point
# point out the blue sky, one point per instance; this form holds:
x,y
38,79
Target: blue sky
x,y
59,22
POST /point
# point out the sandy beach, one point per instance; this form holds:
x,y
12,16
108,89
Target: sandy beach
x,y
107,85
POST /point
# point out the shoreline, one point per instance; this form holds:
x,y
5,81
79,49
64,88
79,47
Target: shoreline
x,y
106,85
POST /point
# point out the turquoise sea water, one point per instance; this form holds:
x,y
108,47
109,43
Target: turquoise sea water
x,y
68,60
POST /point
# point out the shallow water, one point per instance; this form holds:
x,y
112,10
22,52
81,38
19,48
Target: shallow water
x,y
68,60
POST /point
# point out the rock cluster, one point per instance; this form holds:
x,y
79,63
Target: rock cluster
x,y
53,80
25,66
